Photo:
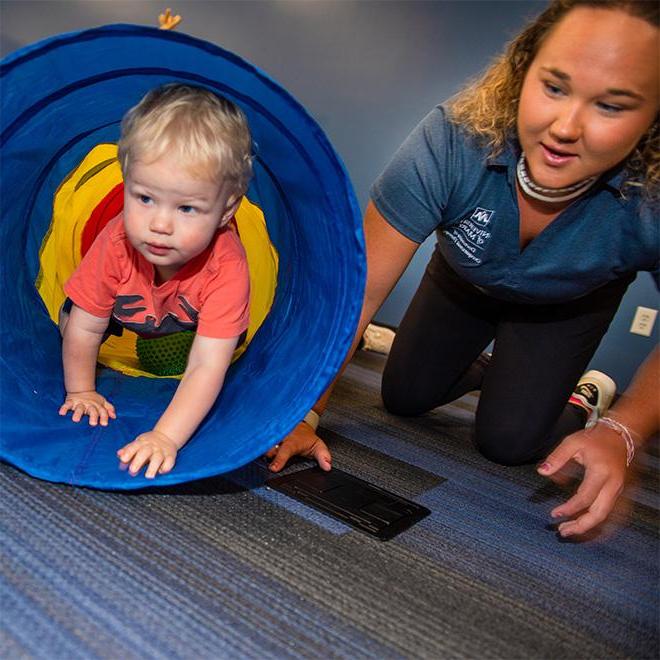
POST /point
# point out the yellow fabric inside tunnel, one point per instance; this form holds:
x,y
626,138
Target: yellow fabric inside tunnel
x,y
79,198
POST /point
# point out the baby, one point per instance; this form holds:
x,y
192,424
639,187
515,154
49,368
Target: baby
x,y
171,261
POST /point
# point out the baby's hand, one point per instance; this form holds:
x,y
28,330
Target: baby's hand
x,y
90,403
152,447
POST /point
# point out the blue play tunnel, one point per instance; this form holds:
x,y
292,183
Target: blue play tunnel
x,y
60,98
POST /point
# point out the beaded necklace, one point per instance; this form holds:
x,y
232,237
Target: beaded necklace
x,y
550,194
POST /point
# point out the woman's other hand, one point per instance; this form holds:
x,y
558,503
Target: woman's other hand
x,y
602,453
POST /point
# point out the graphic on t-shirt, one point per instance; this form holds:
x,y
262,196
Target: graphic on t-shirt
x,y
472,234
129,308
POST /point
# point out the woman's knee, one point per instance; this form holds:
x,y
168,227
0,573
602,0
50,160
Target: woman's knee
x,y
403,397
397,399
508,441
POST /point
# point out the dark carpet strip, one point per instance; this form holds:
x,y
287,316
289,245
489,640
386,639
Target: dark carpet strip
x,y
226,568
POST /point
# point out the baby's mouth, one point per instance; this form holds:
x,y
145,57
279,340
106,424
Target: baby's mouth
x,y
158,250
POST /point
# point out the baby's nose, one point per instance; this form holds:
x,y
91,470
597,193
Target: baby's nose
x,y
161,223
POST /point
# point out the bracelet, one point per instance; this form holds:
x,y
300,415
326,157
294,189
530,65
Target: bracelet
x,y
624,432
312,418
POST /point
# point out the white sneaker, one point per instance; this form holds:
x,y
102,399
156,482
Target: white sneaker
x,y
594,393
378,339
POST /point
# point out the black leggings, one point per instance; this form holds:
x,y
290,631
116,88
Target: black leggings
x,y
540,353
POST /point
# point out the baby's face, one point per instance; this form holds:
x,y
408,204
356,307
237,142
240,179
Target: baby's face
x,y
170,216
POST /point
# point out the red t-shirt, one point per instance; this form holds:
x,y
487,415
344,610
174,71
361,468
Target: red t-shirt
x,y
210,293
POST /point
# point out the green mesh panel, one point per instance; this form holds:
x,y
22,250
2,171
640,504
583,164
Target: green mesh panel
x,y
167,355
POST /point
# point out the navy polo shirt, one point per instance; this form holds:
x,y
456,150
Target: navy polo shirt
x,y
441,179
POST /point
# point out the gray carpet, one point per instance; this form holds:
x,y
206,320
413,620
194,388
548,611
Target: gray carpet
x,y
226,568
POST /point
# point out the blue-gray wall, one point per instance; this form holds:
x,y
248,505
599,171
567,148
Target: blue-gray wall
x,y
367,70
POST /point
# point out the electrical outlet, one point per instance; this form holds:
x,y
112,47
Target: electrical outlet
x,y
644,320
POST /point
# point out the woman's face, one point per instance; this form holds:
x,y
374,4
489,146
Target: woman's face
x,y
589,96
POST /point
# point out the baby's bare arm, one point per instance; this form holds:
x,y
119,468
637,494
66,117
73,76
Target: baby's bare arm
x,y
81,338
199,388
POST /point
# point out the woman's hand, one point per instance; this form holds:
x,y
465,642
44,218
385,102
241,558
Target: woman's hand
x,y
154,448
302,441
602,453
90,403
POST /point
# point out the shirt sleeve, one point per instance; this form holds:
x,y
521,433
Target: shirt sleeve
x,y
412,192
225,309
93,285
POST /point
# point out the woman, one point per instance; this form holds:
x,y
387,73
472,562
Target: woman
x,y
541,181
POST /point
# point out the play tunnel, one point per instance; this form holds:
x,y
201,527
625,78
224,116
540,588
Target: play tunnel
x,y
62,103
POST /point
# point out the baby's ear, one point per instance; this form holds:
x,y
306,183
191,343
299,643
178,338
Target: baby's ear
x,y
230,211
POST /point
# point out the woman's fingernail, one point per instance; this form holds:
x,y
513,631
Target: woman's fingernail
x,y
544,467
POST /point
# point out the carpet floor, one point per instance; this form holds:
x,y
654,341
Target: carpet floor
x,y
228,568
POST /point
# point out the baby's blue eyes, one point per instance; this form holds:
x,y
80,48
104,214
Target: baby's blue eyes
x,y
186,209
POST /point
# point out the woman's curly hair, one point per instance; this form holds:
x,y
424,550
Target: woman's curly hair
x,y
488,106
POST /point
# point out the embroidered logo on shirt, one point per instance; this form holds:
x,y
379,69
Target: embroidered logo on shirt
x,y
472,234
482,216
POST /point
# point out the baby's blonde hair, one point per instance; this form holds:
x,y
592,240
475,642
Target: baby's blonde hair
x,y
208,134
488,106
